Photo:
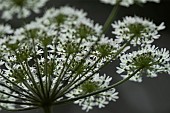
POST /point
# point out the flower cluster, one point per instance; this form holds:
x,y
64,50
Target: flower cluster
x,y
151,59
141,30
57,53
57,58
127,3
20,8
97,82
5,30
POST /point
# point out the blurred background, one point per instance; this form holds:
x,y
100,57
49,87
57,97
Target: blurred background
x,y
150,96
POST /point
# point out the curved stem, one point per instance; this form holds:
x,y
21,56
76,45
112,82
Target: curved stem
x,y
67,89
99,91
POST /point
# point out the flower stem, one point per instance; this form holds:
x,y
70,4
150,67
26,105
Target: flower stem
x,y
47,109
99,91
111,17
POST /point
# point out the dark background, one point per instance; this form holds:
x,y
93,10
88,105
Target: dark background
x,y
150,96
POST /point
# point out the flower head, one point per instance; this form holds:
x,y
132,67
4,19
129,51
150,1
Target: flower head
x,y
127,3
141,30
5,30
20,8
45,57
149,58
100,100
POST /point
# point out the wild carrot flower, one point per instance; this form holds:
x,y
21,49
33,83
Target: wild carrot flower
x,y
20,8
152,59
127,3
95,83
53,56
142,30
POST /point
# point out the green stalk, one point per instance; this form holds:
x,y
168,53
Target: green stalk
x,y
47,109
66,89
60,77
38,69
33,80
50,90
111,17
18,97
75,80
99,91
63,72
106,26
30,96
46,73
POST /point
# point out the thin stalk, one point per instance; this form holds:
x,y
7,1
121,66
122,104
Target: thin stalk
x,y
33,80
45,71
111,17
28,86
29,76
64,71
66,90
14,90
37,91
86,56
52,69
31,96
60,77
99,91
38,69
25,82
18,97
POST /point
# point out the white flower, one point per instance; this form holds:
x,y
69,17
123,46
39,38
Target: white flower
x,y
5,29
95,83
20,8
152,60
61,43
127,3
142,30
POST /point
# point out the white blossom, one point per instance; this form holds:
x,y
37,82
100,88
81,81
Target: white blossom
x,y
141,30
5,29
97,82
20,8
60,44
151,59
127,3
